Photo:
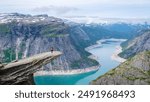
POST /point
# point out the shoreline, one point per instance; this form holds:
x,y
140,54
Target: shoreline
x,y
88,69
99,43
93,57
67,72
115,55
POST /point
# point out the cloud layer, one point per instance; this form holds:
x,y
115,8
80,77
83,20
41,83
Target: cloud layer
x,y
55,9
102,8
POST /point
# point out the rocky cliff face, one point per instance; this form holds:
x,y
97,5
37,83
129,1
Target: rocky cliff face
x,y
24,35
21,71
135,71
114,30
136,45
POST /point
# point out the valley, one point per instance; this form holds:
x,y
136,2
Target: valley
x,y
22,36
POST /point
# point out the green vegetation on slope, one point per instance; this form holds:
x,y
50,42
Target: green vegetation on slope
x,y
4,29
53,30
136,45
55,35
149,72
80,63
129,72
10,55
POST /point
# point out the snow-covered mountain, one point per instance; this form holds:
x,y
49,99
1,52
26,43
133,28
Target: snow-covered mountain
x,y
9,17
98,20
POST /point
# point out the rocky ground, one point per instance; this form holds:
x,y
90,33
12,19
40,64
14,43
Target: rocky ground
x,y
134,71
21,71
139,44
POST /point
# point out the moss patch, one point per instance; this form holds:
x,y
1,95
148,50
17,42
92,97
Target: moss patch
x,y
4,29
10,55
148,53
112,72
55,35
148,72
53,30
83,62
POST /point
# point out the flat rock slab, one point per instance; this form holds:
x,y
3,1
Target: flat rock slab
x,y
31,59
21,71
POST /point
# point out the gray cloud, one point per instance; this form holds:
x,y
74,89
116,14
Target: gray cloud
x,y
55,9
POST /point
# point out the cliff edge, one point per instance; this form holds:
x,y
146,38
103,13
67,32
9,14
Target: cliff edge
x,y
135,71
21,71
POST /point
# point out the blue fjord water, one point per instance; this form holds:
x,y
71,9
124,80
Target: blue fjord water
x,y
104,53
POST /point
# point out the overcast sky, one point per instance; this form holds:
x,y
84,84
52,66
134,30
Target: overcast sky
x,y
101,8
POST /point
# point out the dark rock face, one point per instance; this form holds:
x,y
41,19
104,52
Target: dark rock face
x,y
139,44
21,72
23,36
28,35
135,71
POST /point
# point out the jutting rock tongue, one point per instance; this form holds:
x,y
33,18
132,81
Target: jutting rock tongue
x,y
21,72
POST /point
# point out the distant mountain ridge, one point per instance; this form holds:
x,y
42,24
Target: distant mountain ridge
x,y
26,35
100,20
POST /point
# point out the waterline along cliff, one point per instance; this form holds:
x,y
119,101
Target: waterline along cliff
x,y
138,44
134,71
23,36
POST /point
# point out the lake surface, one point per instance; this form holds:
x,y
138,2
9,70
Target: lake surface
x,y
104,53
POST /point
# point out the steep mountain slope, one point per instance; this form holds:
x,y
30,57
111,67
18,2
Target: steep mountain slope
x,y
136,45
135,71
25,35
115,30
